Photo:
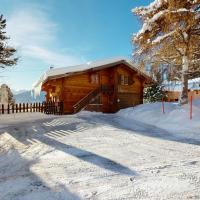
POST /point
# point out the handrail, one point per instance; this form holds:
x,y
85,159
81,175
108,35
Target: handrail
x,y
86,100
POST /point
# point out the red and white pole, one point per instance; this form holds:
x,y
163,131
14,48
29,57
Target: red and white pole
x,y
191,102
163,106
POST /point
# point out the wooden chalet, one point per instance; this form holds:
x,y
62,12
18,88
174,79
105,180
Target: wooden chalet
x,y
104,86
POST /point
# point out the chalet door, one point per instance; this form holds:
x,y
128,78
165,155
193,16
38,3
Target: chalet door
x,y
107,82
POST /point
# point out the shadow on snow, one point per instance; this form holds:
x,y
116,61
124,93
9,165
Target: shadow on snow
x,y
17,181
45,133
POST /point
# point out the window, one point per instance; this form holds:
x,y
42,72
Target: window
x,y
124,80
94,78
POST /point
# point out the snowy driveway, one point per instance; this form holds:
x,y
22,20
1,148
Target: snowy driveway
x,y
94,156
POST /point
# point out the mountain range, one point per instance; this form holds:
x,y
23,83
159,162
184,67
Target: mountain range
x,y
26,96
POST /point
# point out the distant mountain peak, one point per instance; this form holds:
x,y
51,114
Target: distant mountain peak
x,y
25,96
15,92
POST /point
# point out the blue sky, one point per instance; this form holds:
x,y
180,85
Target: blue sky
x,y
64,33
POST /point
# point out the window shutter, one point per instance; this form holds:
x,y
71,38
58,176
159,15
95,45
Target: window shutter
x,y
119,79
90,77
130,80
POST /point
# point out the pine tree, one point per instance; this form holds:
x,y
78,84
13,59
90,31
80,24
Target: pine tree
x,y
170,34
6,52
154,93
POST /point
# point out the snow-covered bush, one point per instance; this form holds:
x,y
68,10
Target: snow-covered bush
x,y
154,93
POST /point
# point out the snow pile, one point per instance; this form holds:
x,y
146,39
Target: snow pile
x,y
176,118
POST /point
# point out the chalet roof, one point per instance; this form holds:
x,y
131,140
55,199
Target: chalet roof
x,y
55,73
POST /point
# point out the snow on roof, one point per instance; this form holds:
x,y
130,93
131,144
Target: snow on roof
x,y
193,84
67,71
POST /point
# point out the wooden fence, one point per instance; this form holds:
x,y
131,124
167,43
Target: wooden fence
x,y
55,108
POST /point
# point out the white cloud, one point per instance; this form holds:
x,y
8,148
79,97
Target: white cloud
x,y
30,27
34,35
51,58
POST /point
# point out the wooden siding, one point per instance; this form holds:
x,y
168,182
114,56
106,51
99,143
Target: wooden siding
x,y
75,88
132,94
128,100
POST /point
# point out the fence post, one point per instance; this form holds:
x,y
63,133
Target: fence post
x,y
191,102
46,107
13,108
16,108
24,109
51,107
163,106
2,106
8,109
55,106
62,108
42,107
20,107
58,108
39,107
27,108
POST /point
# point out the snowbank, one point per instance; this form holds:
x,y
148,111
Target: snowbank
x,y
176,118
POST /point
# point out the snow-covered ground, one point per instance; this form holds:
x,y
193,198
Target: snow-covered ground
x,y
128,155
176,118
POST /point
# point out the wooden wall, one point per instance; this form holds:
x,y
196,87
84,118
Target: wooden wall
x,y
72,89
75,88
132,94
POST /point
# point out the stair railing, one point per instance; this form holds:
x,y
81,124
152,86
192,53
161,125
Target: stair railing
x,y
86,100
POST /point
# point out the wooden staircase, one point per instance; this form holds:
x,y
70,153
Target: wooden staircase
x,y
86,100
